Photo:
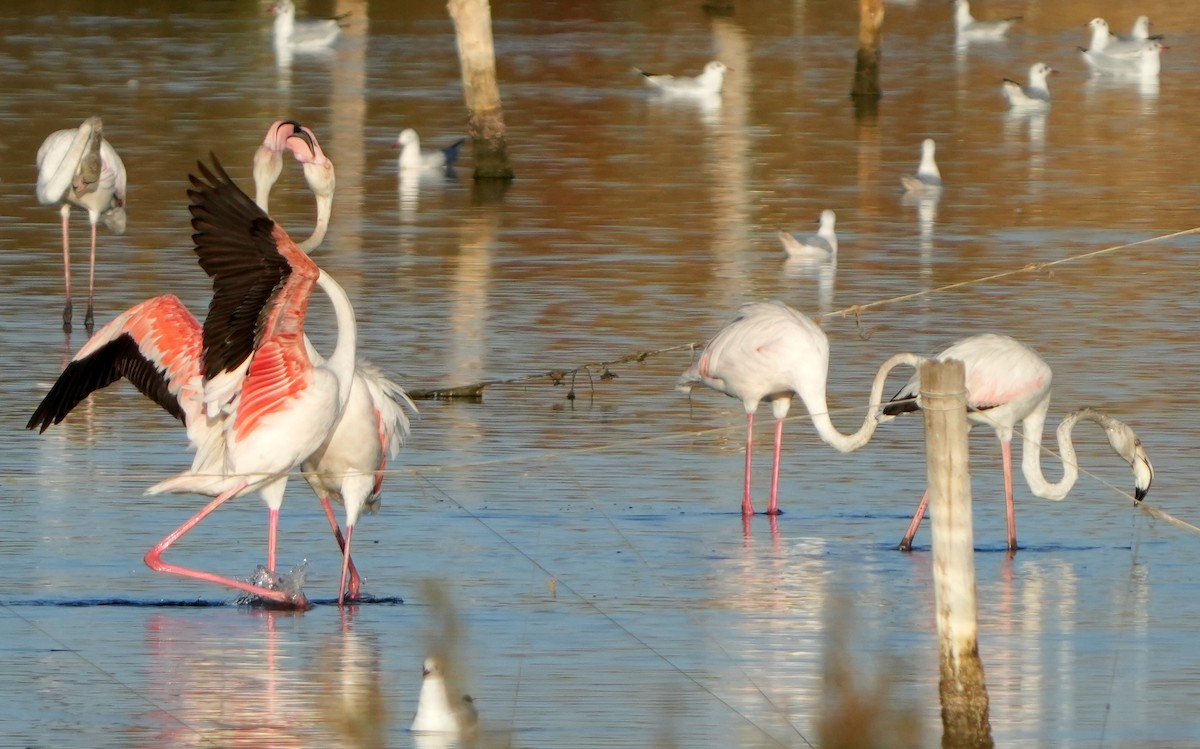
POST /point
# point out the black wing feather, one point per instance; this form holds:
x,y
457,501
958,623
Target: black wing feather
x,y
82,377
236,248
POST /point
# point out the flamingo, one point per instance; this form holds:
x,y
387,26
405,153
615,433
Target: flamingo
x,y
969,29
414,161
708,83
77,166
277,405
1007,382
928,180
1034,96
771,352
823,244
348,468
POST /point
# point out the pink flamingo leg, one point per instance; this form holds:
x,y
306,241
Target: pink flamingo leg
x,y
355,580
906,542
272,537
1006,453
346,568
90,317
773,506
747,507
154,560
66,234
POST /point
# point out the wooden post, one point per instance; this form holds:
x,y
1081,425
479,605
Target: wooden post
x,y
866,90
963,692
485,117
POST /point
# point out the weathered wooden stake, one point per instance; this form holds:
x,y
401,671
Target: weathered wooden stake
x,y
866,90
963,692
485,117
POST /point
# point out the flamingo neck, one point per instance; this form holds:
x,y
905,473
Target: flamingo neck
x,y
342,361
268,165
1031,460
818,408
321,181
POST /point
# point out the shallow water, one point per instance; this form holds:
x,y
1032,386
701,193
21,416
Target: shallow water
x,y
601,589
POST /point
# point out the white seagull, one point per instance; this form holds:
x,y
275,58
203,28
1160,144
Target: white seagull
x,y
823,244
707,83
1103,41
436,712
1145,64
414,161
969,29
928,179
303,35
1036,95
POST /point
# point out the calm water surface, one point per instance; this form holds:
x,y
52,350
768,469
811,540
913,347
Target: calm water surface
x,y
585,558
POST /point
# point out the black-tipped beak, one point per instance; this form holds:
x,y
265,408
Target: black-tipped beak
x,y
1139,494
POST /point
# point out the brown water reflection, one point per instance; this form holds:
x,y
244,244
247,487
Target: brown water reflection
x,y
634,223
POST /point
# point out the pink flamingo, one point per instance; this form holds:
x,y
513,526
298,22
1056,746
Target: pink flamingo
x,y
78,167
157,346
771,352
1007,382
349,467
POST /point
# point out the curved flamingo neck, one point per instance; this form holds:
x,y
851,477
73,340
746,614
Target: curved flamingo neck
x,y
268,165
1031,458
342,361
321,181
818,408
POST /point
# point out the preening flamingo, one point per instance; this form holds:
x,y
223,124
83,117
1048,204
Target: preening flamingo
x,y
349,467
1007,382
770,352
77,166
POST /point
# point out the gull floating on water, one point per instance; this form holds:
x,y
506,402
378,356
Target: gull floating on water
x,y
414,161
823,244
968,28
1036,95
436,712
707,83
928,179
1145,64
313,34
1103,41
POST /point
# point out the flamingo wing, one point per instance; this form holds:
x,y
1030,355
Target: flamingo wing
x,y
155,345
254,350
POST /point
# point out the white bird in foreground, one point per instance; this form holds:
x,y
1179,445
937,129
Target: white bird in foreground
x,y
969,29
436,712
77,166
414,161
1144,64
1007,382
303,35
707,83
928,179
1036,95
820,245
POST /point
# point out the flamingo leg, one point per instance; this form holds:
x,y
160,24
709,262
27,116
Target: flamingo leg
x,y
90,317
346,568
66,239
906,542
773,506
154,560
747,507
1010,507
355,580
272,537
